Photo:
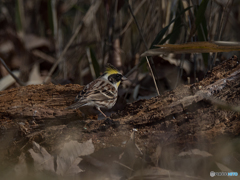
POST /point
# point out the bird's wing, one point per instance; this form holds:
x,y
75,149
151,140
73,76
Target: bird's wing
x,y
98,90
100,95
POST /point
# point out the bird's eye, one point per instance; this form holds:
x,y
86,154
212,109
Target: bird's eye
x,y
119,77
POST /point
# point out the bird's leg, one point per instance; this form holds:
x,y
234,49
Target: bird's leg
x,y
98,108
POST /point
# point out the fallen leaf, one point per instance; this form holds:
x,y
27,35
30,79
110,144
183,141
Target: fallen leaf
x,y
66,162
42,159
68,159
195,152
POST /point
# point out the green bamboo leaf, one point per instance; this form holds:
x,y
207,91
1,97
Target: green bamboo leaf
x,y
201,25
18,17
202,36
178,22
200,16
50,16
164,30
95,62
171,34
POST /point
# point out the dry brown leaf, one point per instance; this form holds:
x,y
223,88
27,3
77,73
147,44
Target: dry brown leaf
x,y
191,47
68,159
195,152
42,159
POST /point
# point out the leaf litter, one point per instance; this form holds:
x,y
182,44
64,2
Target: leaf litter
x,y
80,161
66,161
42,159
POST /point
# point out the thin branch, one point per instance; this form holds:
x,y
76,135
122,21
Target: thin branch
x,y
221,28
63,53
87,19
123,165
43,56
10,72
130,9
131,19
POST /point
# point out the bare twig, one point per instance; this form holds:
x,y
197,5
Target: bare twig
x,y
63,53
139,149
130,9
86,21
123,165
221,28
226,19
131,19
43,56
10,72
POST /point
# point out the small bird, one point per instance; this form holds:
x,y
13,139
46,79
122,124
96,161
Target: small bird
x,y
102,92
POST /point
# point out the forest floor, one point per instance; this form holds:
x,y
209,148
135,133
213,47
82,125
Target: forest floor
x,y
178,130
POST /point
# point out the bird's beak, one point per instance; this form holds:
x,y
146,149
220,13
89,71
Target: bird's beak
x,y
124,78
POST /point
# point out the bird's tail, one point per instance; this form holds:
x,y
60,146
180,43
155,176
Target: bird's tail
x,y
76,105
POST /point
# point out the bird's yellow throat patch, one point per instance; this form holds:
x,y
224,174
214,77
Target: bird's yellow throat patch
x,y
118,83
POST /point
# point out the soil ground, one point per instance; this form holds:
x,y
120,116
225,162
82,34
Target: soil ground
x,y
186,118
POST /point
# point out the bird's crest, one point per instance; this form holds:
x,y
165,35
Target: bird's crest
x,y
110,69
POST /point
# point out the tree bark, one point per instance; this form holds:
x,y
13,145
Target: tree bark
x,y
184,116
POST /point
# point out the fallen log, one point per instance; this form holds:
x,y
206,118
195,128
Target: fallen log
x,y
184,116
